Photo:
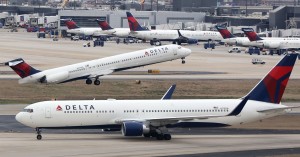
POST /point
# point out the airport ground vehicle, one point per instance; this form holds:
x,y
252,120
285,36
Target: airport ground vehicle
x,y
258,61
235,49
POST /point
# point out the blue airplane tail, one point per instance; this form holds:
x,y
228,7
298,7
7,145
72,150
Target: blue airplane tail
x,y
271,88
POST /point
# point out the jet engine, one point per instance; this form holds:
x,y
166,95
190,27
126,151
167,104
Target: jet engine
x,y
53,78
134,129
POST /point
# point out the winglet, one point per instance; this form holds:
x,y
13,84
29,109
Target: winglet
x,y
252,36
169,93
180,35
240,107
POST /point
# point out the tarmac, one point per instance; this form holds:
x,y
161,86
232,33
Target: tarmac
x,y
19,140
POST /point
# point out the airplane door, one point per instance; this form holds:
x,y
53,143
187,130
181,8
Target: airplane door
x,y
47,112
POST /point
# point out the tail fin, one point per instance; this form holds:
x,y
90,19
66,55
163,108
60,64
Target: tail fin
x,y
70,23
271,88
133,24
104,25
252,36
21,68
224,32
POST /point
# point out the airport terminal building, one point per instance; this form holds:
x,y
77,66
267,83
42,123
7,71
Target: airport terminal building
x,y
118,19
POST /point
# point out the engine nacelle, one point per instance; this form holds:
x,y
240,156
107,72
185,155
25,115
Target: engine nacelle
x,y
134,129
54,78
272,45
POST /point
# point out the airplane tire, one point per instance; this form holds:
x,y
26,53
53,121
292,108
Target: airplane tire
x,y
167,136
97,82
88,81
146,135
183,62
160,137
39,137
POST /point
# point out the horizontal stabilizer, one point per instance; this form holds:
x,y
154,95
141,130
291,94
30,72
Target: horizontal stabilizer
x,y
277,109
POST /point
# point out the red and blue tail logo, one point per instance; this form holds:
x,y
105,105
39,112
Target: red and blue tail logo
x,y
133,24
104,25
71,24
21,68
224,32
271,88
252,36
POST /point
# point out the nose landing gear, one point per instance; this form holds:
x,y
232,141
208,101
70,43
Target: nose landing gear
x,y
182,60
38,131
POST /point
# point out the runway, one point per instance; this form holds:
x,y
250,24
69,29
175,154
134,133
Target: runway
x,y
57,145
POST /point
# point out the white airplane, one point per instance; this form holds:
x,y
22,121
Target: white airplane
x,y
154,117
92,70
156,36
107,29
230,38
271,43
75,29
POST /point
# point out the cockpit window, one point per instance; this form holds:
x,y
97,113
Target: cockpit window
x,y
28,110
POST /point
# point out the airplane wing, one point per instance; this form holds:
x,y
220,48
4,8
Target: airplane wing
x,y
235,112
101,73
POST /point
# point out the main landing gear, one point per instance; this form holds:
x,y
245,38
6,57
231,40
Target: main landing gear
x,y
160,133
90,81
38,131
182,60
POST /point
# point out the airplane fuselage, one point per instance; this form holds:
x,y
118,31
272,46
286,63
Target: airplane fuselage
x,y
170,35
110,113
107,65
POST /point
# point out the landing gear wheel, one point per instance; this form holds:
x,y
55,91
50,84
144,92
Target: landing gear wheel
x,y
151,42
88,81
146,135
38,131
160,137
183,61
97,82
39,137
167,137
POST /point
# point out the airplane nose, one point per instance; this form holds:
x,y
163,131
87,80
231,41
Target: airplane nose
x,y
19,117
188,51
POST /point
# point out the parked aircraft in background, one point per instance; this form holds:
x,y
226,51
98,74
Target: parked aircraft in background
x,y
230,38
75,29
152,118
271,43
93,70
156,36
107,29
